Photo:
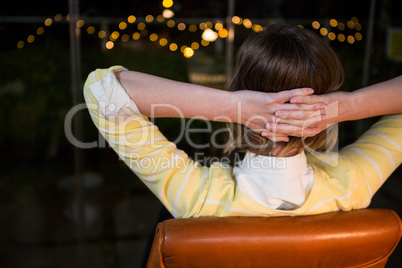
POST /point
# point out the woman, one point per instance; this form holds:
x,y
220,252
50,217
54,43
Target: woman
x,y
274,178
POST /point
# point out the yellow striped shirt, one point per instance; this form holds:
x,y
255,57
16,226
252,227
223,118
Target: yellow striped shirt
x,y
342,181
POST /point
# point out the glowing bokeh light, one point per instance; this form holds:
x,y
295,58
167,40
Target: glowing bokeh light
x,y
167,3
149,18
153,37
90,29
167,13
109,45
131,19
173,47
122,25
188,52
136,36
163,42
102,34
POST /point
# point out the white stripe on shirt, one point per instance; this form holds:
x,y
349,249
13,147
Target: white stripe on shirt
x,y
332,199
371,161
386,138
179,192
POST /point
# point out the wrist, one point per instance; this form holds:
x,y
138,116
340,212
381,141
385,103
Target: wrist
x,y
345,103
233,107
339,107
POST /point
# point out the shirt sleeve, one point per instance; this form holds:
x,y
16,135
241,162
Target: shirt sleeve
x,y
376,154
179,182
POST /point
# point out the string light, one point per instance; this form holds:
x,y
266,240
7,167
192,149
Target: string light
x,y
131,19
122,25
223,33
102,34
315,24
173,47
203,25
218,26
20,44
236,20
188,52
350,39
163,42
125,37
358,26
181,26
171,23
167,3
48,22
195,45
208,35
40,31
109,45
257,28
58,17
141,26
350,24
80,23
136,36
160,18
167,13
90,29
31,39
192,28
247,23
114,36
153,37
204,42
149,18
209,24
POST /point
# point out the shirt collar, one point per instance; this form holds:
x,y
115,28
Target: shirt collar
x,y
253,163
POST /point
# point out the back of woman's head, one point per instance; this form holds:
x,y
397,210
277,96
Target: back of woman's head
x,y
279,58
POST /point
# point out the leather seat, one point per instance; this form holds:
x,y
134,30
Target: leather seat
x,y
360,238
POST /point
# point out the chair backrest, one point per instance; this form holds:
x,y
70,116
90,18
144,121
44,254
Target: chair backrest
x,y
360,238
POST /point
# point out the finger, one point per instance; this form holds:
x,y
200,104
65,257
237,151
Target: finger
x,y
286,95
299,107
285,129
310,132
314,120
289,130
298,115
275,137
306,99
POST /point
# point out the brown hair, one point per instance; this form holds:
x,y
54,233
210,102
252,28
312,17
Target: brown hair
x,y
279,58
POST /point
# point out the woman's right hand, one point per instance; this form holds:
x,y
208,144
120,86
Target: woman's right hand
x,y
305,124
259,109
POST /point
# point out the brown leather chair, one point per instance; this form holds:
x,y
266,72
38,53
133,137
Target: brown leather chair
x,y
360,238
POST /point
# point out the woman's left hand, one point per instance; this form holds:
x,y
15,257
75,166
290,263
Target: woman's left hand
x,y
261,113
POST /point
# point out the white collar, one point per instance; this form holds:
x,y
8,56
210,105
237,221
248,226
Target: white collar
x,y
273,165
275,182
